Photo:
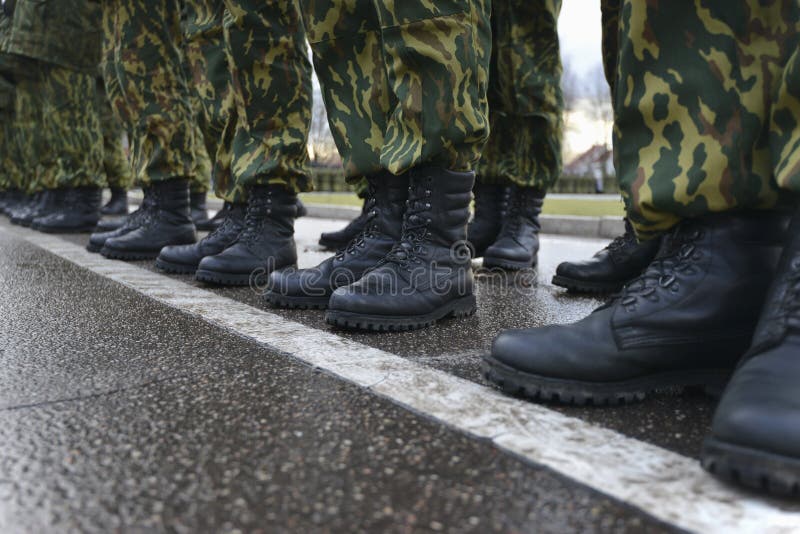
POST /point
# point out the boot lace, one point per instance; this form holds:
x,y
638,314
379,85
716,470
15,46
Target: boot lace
x,y
254,218
368,218
677,256
415,228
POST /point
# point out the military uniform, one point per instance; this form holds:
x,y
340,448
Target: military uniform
x,y
10,177
405,86
62,43
693,133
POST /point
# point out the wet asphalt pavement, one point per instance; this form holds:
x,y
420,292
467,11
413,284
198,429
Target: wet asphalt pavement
x,y
119,413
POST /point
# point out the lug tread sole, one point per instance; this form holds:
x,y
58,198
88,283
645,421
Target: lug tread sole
x,y
222,279
510,265
459,309
174,268
582,286
768,472
85,229
578,393
125,255
296,303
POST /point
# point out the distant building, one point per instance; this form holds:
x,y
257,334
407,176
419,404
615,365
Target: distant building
x,y
596,163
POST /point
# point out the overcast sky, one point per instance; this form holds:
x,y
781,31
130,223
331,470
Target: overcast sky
x,y
580,33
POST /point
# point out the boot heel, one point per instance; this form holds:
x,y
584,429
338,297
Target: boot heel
x,y
464,307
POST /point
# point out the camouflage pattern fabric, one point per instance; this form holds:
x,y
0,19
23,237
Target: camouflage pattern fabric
x,y
271,80
61,32
28,132
207,67
525,99
785,127
404,83
73,151
610,10
148,62
696,85
117,168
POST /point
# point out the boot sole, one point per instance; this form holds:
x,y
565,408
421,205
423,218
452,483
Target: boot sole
x,y
578,393
463,307
94,248
60,230
584,286
296,303
222,279
112,254
174,268
759,470
511,265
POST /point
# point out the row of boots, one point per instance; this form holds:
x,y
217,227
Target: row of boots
x,y
79,209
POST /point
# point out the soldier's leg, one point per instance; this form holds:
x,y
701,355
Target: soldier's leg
x,y
524,149
271,82
148,62
6,154
116,167
374,60
624,257
693,98
73,164
754,439
28,135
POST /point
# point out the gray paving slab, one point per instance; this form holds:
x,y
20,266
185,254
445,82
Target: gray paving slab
x,y
116,413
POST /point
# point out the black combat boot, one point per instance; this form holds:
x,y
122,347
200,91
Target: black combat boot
x,y
491,203
118,203
302,211
13,198
265,244
340,238
184,259
517,244
607,271
166,223
109,225
427,276
755,437
199,211
127,225
77,211
685,321
24,214
312,288
50,201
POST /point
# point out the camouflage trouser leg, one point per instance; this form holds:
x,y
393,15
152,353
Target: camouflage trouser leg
x,y
374,59
525,96
692,105
149,68
785,127
210,81
610,10
271,77
71,125
115,163
28,134
7,159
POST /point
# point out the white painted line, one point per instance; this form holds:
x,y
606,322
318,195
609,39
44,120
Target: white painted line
x,y
665,485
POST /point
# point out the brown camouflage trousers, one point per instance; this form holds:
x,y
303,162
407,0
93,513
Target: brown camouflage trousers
x,y
525,100
706,108
404,83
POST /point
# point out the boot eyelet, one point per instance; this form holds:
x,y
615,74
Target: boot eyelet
x,y
666,281
427,206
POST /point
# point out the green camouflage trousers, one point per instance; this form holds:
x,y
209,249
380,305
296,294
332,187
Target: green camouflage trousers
x,y
525,100
404,83
270,73
116,167
699,124
610,19
72,154
28,132
155,95
207,67
9,164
